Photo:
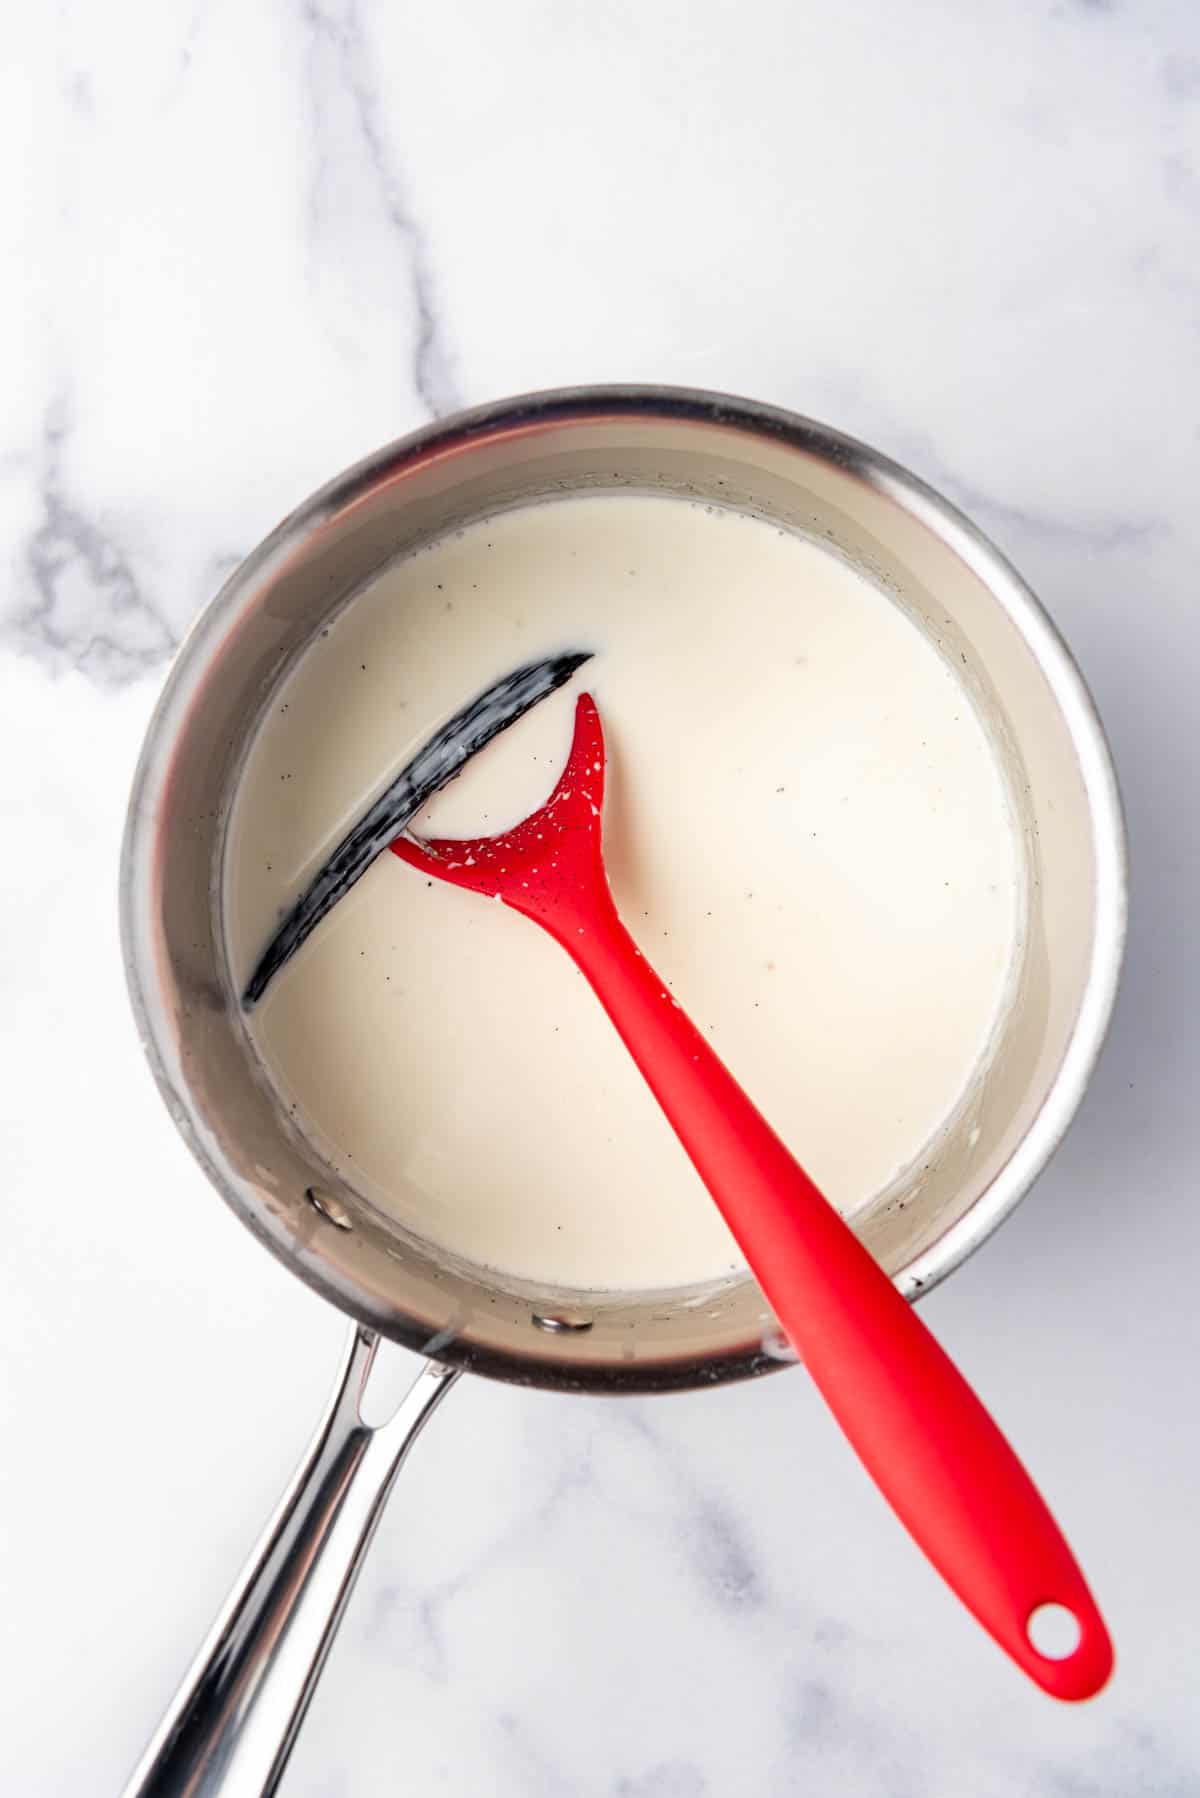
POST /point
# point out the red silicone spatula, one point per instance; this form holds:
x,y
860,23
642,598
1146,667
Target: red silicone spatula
x,y
920,1431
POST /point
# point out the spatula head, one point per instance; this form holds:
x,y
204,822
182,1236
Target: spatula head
x,y
553,858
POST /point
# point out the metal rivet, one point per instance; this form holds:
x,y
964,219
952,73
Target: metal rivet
x,y
572,1322
331,1209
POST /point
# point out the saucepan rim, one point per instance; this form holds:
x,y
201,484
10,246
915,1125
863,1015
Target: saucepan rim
x,y
592,404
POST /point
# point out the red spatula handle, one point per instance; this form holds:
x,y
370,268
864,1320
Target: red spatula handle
x,y
930,1446
918,1428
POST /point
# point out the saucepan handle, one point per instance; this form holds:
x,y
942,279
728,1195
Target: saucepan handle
x,y
231,1725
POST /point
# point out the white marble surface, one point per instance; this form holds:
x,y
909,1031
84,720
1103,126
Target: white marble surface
x,y
244,244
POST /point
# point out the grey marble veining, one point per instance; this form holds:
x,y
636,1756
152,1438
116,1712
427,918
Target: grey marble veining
x,y
341,78
247,246
85,609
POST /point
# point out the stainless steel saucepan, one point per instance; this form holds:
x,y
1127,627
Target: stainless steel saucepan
x,y
234,1720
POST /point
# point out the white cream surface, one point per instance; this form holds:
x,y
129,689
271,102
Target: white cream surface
x,y
806,830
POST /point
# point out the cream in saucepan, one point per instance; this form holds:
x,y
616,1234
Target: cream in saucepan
x,y
806,829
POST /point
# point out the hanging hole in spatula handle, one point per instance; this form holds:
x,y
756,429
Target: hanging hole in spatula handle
x,y
1071,1655
1054,1631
